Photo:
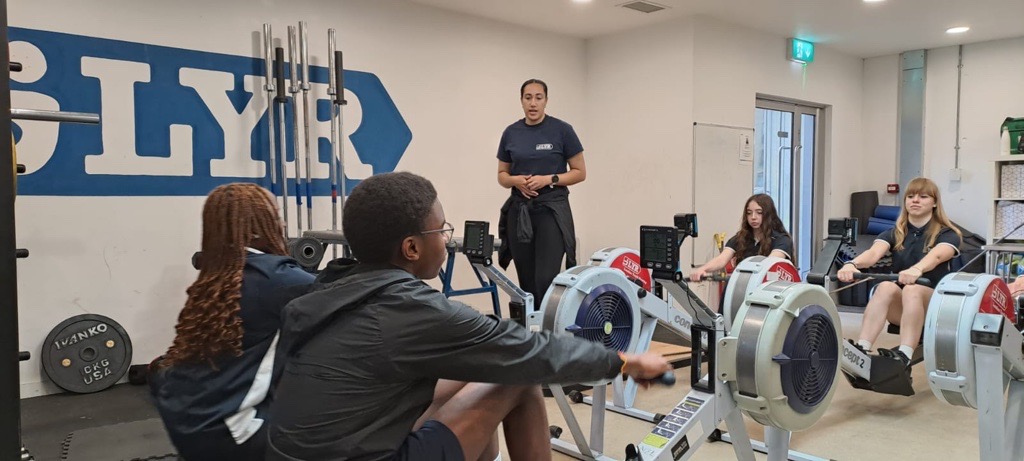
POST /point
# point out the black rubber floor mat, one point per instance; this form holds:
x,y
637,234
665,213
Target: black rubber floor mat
x,y
134,441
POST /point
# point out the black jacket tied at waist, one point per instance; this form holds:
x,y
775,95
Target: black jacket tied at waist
x,y
556,200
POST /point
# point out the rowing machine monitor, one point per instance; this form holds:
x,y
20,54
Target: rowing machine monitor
x,y
478,244
659,249
843,229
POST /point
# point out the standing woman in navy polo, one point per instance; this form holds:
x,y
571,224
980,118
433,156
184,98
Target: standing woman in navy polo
x,y
539,157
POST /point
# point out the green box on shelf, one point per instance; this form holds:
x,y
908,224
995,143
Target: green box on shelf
x,y
1014,127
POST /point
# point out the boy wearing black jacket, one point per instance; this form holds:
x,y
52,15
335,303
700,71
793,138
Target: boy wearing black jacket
x,y
367,348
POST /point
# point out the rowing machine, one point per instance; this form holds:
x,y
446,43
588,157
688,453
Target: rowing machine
x,y
973,352
777,363
780,370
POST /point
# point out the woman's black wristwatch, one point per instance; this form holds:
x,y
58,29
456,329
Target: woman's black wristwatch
x,y
554,180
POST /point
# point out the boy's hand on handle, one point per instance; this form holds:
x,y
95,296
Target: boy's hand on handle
x,y
646,369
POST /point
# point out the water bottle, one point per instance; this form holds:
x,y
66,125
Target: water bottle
x,y
1004,141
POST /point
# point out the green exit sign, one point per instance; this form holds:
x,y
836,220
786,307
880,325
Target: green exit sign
x,y
799,51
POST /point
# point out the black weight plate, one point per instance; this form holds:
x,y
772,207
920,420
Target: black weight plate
x,y
86,353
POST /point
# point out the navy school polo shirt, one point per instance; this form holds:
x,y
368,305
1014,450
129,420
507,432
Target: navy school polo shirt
x,y
914,249
780,241
541,149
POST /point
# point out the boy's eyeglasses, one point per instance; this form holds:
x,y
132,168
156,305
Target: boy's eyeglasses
x,y
446,231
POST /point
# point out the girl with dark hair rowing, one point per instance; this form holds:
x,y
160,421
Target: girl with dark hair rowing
x,y
212,388
761,234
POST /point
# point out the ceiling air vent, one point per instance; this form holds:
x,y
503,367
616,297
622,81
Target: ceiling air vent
x,y
643,6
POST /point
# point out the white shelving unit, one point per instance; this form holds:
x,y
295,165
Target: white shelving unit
x,y
1012,247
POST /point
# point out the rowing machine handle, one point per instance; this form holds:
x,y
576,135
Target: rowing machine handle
x,y
818,279
710,278
889,278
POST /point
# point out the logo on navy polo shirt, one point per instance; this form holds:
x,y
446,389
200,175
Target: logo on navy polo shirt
x,y
545,146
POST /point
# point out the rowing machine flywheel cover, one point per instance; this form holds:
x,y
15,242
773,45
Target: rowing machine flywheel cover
x,y
781,358
948,352
594,303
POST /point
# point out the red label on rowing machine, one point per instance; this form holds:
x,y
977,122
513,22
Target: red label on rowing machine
x,y
782,271
996,300
629,264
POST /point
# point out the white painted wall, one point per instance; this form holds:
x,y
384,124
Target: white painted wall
x,y
646,88
639,136
880,121
989,93
732,65
454,78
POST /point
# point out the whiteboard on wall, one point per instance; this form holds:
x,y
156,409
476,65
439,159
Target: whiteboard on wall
x,y
723,178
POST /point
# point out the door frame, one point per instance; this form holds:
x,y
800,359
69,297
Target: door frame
x,y
822,118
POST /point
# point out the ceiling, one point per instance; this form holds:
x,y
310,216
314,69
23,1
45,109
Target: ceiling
x,y
850,26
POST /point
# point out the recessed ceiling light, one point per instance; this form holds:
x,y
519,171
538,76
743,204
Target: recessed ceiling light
x,y
957,30
873,1
581,1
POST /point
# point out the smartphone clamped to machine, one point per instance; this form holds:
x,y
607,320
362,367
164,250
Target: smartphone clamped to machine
x,y
686,225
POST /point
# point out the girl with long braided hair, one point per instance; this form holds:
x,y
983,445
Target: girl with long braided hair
x,y
213,385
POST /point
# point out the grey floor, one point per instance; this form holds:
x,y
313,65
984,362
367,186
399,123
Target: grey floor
x,y
46,421
859,425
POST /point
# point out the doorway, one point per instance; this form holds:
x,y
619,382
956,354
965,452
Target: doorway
x,y
787,167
